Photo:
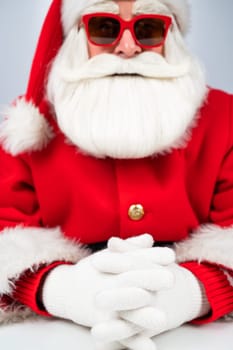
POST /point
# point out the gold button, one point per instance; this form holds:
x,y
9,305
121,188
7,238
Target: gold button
x,y
136,212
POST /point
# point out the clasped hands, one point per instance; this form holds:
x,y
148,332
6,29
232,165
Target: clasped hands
x,y
127,293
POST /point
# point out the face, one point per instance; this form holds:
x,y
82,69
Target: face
x,y
142,103
126,46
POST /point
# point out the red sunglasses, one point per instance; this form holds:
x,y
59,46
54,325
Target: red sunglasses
x,y
106,29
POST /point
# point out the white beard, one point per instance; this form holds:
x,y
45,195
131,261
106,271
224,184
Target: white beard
x,y
124,116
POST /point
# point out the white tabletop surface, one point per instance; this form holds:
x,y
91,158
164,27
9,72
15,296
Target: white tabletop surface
x,y
54,334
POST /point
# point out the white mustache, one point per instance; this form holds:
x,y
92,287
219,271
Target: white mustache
x,y
146,64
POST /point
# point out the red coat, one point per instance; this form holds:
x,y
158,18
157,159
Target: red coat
x,y
89,199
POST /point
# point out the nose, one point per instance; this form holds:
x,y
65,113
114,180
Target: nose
x,y
127,47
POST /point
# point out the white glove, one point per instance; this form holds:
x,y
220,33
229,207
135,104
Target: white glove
x,y
168,308
69,291
124,255
136,269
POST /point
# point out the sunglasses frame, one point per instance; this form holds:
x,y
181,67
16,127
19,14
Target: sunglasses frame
x,y
127,25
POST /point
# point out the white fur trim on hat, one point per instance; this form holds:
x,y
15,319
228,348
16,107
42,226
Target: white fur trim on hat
x,y
24,248
210,243
24,128
72,9
181,12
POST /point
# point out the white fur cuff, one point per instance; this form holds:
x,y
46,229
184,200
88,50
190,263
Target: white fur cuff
x,y
209,243
27,248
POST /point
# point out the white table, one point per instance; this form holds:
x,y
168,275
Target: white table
x,y
54,334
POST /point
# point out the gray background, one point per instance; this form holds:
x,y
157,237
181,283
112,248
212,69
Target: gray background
x,y
210,38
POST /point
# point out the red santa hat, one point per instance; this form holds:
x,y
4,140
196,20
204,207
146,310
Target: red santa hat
x,y
25,127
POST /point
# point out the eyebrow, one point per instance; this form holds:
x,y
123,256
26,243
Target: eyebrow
x,y
154,7
103,6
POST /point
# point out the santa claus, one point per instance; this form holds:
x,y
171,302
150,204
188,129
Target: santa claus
x,y
116,178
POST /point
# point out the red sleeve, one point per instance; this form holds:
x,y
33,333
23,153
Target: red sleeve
x,y
18,200
219,292
19,206
221,212
218,288
28,285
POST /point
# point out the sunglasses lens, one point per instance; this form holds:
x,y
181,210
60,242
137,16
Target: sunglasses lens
x,y
150,31
103,30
